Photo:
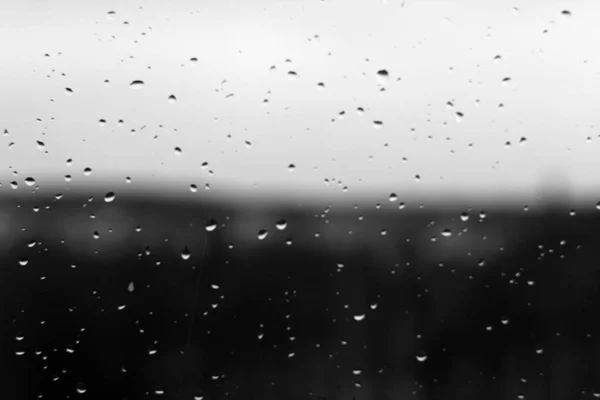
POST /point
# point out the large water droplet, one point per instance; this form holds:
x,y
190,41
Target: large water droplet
x,y
421,357
109,197
360,317
211,225
137,84
29,181
383,76
81,388
87,171
172,99
186,254
281,224
23,261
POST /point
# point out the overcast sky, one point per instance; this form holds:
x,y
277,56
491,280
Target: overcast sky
x,y
480,97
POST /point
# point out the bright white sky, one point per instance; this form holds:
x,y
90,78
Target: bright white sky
x,y
435,52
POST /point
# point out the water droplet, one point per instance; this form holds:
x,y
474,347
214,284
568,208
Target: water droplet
x,y
383,76
321,85
178,151
539,351
598,205
360,317
459,117
356,372
137,84
211,225
111,15
393,197
186,253
360,111
69,162
81,388
29,181
96,235
109,197
421,357
291,167
506,80
446,233
378,124
566,13
193,188
262,234
131,287
281,224
19,337
23,261
172,99
159,390
464,217
292,74
68,91
87,171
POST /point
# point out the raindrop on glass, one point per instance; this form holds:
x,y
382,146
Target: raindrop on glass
x,y
281,224
262,234
81,388
186,253
137,84
211,225
109,197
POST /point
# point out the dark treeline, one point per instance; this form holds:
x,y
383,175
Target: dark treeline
x,y
135,300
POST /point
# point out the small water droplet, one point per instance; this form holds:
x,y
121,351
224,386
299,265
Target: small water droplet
x,y
193,188
109,197
211,225
356,372
178,151
186,253
111,15
598,205
360,111
68,91
29,181
87,172
137,84
131,287
393,197
446,233
464,216
459,117
421,357
262,234
23,261
378,124
566,13
359,317
172,99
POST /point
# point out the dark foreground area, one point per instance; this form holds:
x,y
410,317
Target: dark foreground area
x,y
134,299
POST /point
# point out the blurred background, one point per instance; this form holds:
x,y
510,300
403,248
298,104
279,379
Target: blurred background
x,y
301,199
